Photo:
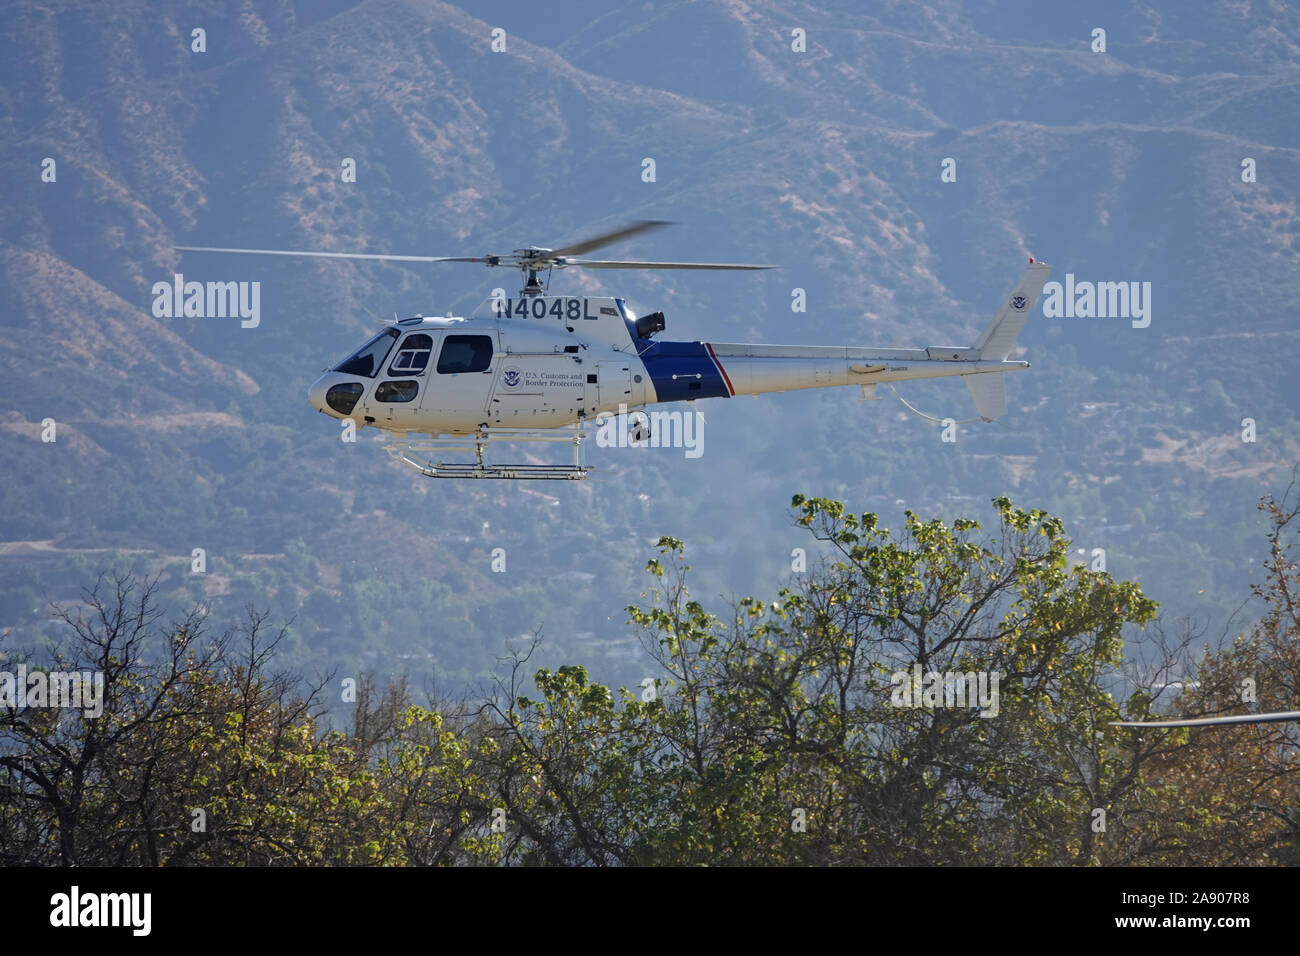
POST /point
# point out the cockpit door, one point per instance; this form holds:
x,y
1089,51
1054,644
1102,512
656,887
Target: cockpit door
x,y
400,388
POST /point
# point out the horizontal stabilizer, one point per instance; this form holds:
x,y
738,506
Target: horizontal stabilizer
x,y
990,393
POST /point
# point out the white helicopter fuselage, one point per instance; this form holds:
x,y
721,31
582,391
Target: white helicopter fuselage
x,y
544,362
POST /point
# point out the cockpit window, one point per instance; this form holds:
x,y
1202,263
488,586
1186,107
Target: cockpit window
x,y
413,356
465,353
369,359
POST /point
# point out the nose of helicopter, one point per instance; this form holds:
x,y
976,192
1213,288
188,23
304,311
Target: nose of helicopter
x,y
335,394
316,394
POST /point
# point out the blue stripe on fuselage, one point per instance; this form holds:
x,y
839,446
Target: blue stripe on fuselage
x,y
696,375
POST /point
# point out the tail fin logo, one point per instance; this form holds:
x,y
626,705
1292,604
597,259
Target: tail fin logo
x,y
1019,303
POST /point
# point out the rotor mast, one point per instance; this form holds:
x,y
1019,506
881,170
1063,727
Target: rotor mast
x,y
532,261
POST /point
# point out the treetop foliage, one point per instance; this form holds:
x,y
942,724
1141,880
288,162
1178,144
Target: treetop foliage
x,y
928,696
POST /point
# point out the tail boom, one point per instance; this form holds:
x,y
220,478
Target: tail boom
x,y
688,370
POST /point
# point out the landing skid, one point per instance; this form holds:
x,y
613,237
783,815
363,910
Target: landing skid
x,y
420,454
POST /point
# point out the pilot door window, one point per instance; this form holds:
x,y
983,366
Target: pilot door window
x,y
465,353
413,356
411,359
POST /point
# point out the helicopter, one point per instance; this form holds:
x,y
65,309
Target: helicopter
x,y
536,367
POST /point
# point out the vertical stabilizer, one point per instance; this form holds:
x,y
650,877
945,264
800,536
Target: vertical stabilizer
x,y
999,339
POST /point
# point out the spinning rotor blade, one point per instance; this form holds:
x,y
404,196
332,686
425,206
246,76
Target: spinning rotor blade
x,y
332,255
637,264
531,260
605,239
1215,721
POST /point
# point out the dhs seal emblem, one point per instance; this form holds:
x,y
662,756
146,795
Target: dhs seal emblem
x,y
1018,302
511,376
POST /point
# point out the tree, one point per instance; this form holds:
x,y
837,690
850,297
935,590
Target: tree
x,y
1231,795
200,755
805,709
928,696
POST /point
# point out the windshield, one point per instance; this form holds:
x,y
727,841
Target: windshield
x,y
368,359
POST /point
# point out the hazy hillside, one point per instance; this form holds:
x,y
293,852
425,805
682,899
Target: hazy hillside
x,y
184,433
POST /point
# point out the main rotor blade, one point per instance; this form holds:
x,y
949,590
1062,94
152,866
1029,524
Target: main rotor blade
x,y
331,255
605,239
637,264
1216,721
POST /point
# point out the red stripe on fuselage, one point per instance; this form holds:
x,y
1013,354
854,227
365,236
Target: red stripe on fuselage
x,y
730,391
